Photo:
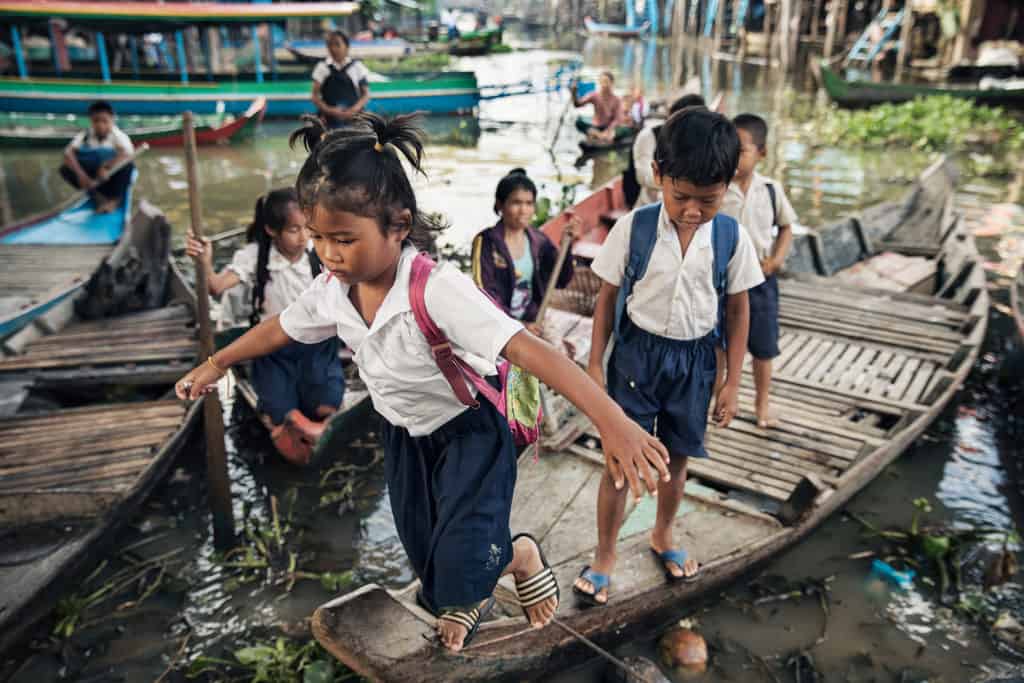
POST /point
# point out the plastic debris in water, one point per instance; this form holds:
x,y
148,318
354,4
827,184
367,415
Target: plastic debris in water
x,y
903,580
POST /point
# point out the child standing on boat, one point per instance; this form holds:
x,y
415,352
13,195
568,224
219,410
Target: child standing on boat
x,y
671,271
761,205
301,385
91,154
513,261
341,86
450,470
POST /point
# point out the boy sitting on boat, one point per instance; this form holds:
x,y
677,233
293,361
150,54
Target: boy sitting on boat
x,y
609,115
91,154
301,385
675,275
761,205
340,84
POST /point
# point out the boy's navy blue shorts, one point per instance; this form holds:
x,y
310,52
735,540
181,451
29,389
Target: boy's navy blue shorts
x,y
665,384
763,341
302,376
451,496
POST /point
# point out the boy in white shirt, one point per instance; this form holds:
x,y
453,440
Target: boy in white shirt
x,y
91,154
761,205
671,272
643,153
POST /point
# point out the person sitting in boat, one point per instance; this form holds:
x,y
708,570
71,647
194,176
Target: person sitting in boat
x,y
513,261
674,275
301,385
450,469
340,84
762,206
645,186
608,112
91,155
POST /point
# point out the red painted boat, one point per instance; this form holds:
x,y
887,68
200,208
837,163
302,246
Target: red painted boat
x,y
239,127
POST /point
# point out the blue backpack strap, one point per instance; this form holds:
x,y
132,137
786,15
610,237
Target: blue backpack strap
x,y
725,235
642,236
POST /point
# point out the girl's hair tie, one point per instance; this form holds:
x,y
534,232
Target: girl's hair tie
x,y
379,147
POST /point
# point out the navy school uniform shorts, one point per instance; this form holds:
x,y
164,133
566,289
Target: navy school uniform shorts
x,y
302,376
451,496
665,385
763,342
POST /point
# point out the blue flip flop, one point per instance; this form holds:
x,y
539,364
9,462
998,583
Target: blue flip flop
x,y
677,557
598,581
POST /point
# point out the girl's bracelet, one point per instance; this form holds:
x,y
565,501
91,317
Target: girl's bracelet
x,y
221,371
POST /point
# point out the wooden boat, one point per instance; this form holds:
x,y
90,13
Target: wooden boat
x,y
596,28
863,372
475,43
70,478
851,93
1017,302
28,130
312,51
49,257
286,93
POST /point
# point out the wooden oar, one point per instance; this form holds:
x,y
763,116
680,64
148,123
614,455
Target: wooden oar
x,y
213,415
563,252
224,235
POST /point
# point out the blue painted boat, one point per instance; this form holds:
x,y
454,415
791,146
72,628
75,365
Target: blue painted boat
x,y
596,28
48,258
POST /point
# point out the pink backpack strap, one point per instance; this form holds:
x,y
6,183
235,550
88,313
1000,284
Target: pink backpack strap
x,y
454,369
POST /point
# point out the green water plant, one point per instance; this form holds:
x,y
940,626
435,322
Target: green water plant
x,y
430,61
281,660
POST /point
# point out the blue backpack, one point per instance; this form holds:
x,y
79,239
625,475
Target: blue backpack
x,y
725,234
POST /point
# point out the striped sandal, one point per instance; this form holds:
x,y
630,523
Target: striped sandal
x,y
470,620
539,587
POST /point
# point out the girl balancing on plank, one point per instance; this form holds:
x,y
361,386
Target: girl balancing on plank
x,y
450,471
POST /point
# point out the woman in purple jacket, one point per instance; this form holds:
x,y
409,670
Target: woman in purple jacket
x,y
513,261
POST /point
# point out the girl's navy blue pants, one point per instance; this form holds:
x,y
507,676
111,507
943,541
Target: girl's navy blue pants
x,y
302,376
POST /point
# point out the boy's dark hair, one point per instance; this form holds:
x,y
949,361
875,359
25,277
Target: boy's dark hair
x,y
359,169
754,125
609,74
698,145
271,212
100,106
686,101
515,180
338,34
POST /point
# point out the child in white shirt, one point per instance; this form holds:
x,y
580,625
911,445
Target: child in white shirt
x,y
450,470
91,155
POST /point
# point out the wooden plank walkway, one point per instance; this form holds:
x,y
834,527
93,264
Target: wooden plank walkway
x,y
32,274
76,462
853,361
148,346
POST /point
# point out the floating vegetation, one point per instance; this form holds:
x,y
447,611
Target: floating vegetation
x,y
344,484
278,661
936,123
431,61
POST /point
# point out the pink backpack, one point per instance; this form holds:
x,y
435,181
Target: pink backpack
x,y
518,400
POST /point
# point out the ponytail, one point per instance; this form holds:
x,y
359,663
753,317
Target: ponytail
x,y
271,213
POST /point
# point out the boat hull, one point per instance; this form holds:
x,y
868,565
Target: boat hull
x,y
595,28
855,94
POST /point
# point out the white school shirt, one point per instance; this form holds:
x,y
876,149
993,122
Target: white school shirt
x,y
643,155
676,297
287,280
116,140
754,211
357,72
392,355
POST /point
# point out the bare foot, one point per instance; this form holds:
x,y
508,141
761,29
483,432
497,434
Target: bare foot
x,y
601,565
690,566
308,429
451,633
104,206
540,614
766,418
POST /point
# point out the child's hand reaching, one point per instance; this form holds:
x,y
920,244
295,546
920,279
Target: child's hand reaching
x,y
198,247
634,456
201,380
726,405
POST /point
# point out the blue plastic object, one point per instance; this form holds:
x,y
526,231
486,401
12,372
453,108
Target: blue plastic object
x,y
884,570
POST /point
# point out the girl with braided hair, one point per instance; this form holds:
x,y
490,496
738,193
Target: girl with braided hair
x,y
450,469
301,385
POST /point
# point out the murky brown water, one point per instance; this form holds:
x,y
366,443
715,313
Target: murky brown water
x,y
873,633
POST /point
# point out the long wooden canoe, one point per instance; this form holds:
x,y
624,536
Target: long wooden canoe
x,y
596,28
27,130
851,93
863,372
70,478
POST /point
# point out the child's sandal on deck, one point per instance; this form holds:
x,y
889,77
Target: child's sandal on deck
x,y
470,620
676,557
539,587
598,581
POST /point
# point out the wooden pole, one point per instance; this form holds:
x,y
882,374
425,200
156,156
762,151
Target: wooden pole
x,y
213,416
719,24
563,252
785,14
831,24
904,51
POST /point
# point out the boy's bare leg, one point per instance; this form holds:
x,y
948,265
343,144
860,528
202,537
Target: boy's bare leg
x,y
719,374
762,385
611,509
670,496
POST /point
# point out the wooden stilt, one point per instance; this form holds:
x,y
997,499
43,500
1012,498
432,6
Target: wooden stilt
x,y
815,16
719,24
785,31
831,24
213,416
904,52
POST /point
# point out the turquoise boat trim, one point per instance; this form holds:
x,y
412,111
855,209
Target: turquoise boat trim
x,y
13,323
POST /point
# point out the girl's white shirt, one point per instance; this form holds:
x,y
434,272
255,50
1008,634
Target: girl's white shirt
x,y
392,355
287,280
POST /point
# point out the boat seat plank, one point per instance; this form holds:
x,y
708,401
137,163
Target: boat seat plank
x,y
738,478
940,329
920,382
545,487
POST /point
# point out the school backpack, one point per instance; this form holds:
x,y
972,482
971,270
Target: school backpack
x,y
518,399
725,235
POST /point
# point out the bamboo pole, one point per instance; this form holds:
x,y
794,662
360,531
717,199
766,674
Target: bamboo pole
x,y
831,25
213,416
904,51
563,252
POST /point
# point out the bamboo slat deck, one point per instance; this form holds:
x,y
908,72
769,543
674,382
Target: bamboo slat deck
x,y
150,347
